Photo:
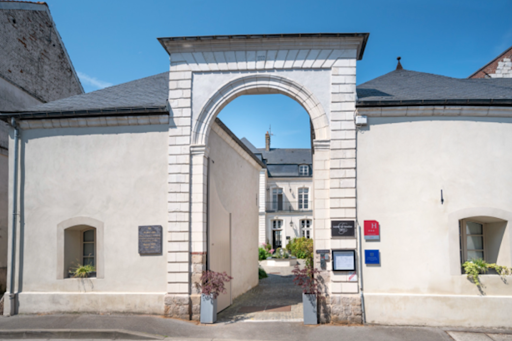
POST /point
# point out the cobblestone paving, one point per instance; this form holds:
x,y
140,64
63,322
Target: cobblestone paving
x,y
276,291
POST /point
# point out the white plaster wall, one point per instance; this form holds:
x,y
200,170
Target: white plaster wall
x,y
117,175
237,184
403,163
204,84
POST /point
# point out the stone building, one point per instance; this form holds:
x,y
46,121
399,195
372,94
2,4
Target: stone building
x,y
286,187
34,68
424,158
499,67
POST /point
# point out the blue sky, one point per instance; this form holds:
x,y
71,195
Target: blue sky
x,y
112,42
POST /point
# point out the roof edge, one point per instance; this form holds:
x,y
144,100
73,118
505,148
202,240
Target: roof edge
x,y
83,113
240,37
240,143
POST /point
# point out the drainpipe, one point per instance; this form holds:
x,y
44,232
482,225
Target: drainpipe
x,y
363,313
12,295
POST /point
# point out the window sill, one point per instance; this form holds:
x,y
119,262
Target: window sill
x,y
89,275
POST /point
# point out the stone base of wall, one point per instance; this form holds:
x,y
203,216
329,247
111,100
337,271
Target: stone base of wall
x,y
188,307
178,306
345,309
198,266
196,307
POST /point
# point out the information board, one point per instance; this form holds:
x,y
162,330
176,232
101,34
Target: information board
x,y
343,228
150,240
343,260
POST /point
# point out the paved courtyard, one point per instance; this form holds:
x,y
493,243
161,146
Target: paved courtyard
x,y
276,298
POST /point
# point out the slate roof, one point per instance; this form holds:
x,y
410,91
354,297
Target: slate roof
x,y
399,87
404,87
287,156
282,162
142,95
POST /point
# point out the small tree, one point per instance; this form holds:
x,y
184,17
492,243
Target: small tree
x,y
212,283
306,279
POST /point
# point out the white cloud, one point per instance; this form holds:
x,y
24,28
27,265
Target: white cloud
x,y
92,81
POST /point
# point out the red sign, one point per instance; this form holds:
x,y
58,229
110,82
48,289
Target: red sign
x,y
371,229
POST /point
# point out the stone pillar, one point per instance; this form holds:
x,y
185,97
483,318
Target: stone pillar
x,y
321,228
177,300
199,221
345,303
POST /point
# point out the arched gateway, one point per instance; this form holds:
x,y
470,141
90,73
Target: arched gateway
x,y
206,73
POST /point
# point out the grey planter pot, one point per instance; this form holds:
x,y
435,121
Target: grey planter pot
x,y
309,306
208,309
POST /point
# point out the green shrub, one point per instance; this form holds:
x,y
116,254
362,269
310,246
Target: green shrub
x,y
82,271
301,248
475,267
263,254
262,273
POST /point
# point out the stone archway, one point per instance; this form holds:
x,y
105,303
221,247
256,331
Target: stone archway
x,y
206,73
259,84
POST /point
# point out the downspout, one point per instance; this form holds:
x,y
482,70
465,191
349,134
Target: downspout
x,y
12,295
361,286
363,313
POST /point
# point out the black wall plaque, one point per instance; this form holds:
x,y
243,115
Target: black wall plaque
x,y
323,251
150,240
343,228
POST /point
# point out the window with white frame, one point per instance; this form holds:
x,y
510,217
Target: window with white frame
x,y
482,238
305,227
277,199
303,170
472,240
79,248
88,248
303,198
277,224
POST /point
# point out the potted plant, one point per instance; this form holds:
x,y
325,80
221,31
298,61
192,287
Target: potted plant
x,y
474,267
307,280
82,271
212,285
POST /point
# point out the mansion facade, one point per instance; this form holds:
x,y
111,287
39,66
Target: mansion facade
x,y
285,205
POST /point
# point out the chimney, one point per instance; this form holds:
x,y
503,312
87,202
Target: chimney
x,y
267,142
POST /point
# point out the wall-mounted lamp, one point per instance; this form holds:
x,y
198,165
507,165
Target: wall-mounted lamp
x,y
442,199
291,223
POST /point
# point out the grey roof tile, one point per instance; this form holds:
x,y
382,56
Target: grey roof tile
x,y
146,92
287,156
405,85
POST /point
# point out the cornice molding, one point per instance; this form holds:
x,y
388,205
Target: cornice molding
x,y
339,41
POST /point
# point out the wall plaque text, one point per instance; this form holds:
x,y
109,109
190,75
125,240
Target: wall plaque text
x,y
150,240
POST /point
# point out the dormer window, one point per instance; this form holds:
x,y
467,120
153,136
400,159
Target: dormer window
x,y
303,170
